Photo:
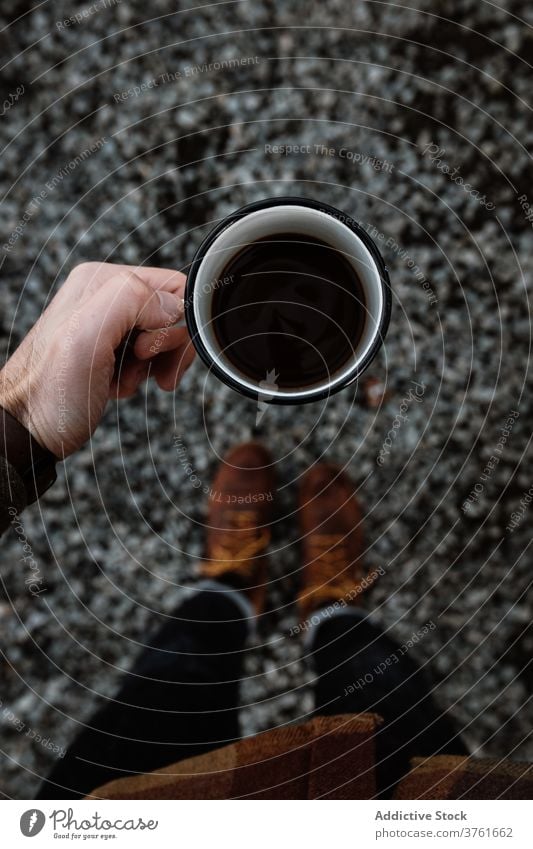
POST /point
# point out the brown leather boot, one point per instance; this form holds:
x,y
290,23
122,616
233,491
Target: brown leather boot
x,y
332,540
238,526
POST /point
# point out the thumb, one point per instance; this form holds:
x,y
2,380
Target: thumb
x,y
126,301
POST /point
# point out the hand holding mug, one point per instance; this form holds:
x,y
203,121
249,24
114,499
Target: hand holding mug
x,y
58,381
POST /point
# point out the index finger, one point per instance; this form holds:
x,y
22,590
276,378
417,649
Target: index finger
x,y
160,278
87,278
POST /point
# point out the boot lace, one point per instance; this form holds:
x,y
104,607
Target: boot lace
x,y
330,576
237,548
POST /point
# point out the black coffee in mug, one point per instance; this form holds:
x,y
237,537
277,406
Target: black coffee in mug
x,y
287,300
289,304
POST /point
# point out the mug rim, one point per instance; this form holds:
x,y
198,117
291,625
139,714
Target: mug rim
x,y
287,200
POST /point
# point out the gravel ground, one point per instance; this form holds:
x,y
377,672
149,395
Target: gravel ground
x,y
389,96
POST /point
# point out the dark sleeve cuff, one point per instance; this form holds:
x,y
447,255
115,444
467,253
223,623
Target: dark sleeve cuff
x,y
23,460
13,497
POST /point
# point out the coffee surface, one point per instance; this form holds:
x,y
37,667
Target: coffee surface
x,y
292,305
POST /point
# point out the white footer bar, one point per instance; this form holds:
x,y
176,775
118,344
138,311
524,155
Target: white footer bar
x,y
268,824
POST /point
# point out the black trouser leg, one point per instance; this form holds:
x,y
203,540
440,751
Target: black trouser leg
x,y
361,670
179,700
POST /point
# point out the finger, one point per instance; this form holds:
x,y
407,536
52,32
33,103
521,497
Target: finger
x,y
168,369
86,279
150,343
159,278
127,301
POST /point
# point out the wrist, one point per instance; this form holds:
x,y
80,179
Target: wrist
x,y
14,398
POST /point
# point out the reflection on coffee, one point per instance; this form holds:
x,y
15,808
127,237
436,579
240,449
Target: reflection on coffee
x,y
295,306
